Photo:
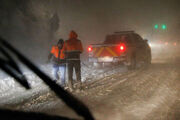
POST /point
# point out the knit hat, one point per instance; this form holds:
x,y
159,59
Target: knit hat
x,y
61,41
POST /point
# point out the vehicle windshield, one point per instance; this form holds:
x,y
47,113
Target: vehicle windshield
x,y
96,59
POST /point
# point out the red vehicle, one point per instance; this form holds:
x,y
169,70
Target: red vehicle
x,y
121,47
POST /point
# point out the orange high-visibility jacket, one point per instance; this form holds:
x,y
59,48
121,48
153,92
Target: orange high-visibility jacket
x,y
55,52
73,44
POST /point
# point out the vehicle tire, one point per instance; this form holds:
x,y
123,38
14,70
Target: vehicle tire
x,y
148,59
133,62
118,63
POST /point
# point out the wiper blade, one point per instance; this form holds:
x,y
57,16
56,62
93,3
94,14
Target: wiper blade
x,y
68,99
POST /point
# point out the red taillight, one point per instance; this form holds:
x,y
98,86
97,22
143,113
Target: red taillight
x,y
122,47
166,43
89,49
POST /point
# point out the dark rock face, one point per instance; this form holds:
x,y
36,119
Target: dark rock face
x,y
29,23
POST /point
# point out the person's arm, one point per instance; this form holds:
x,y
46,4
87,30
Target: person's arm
x,y
50,55
64,49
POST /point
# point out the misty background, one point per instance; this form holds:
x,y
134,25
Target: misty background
x,y
33,26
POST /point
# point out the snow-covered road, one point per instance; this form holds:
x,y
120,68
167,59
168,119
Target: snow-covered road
x,y
11,92
115,94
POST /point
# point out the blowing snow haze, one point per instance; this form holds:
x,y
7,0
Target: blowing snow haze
x,y
33,26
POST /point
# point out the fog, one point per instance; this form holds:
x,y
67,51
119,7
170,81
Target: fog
x,y
33,26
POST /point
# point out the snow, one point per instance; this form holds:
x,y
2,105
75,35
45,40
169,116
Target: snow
x,y
11,91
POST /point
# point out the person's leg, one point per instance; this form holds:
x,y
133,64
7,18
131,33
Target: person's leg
x,y
62,70
77,66
55,72
70,74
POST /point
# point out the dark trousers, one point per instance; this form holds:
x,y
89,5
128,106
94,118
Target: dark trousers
x,y
74,64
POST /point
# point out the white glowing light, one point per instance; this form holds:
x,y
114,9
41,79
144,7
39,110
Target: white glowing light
x,y
105,59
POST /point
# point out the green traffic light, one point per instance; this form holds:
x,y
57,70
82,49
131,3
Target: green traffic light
x,y
156,26
163,27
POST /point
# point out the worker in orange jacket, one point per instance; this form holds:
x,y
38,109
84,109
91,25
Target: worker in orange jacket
x,y
57,58
73,48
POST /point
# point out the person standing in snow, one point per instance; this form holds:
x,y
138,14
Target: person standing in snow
x,y
73,48
57,58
